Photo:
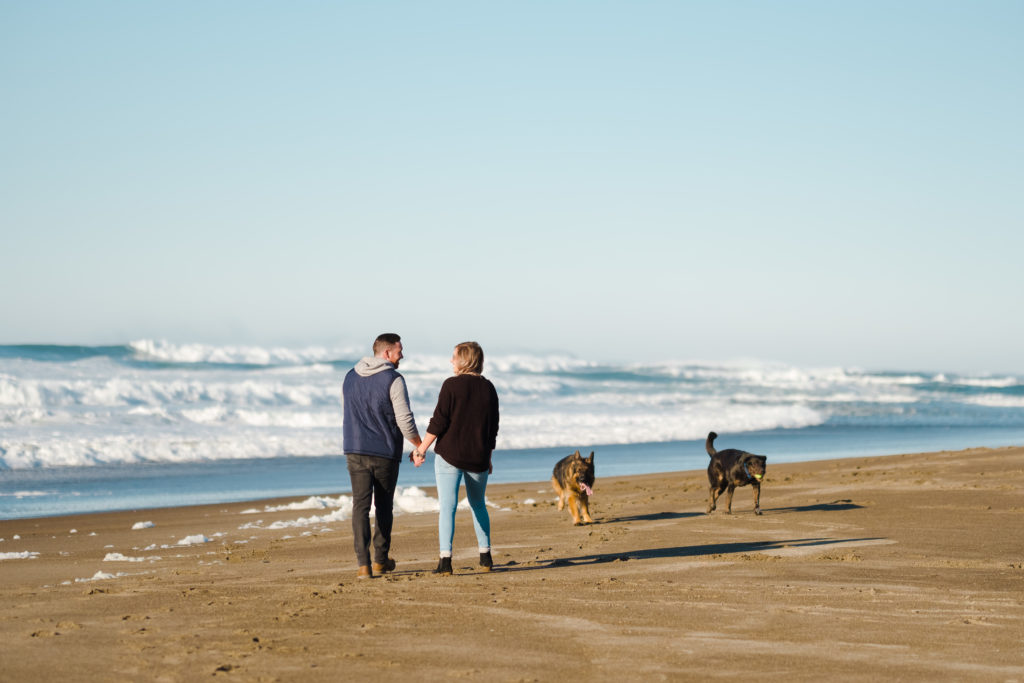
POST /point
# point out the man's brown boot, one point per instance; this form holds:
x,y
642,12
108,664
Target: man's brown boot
x,y
387,566
364,573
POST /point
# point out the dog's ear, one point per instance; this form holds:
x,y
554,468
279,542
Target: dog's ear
x,y
577,454
747,457
591,458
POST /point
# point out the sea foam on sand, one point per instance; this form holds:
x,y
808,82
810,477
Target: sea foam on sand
x,y
25,555
410,499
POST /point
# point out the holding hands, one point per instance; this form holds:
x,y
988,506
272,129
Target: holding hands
x,y
419,454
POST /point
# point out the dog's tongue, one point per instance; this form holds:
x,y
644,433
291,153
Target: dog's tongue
x,y
586,488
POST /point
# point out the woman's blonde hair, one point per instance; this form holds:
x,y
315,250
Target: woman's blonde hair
x,y
469,358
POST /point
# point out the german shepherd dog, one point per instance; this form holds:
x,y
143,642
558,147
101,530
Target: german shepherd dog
x,y
573,480
731,468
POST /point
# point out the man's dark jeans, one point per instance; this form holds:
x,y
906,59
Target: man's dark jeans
x,y
373,478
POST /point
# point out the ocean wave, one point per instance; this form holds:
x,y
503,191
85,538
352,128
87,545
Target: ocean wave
x,y
997,401
216,437
165,352
136,450
25,494
256,418
555,428
991,382
134,392
151,401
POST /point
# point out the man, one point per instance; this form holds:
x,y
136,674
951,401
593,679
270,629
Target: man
x,y
376,418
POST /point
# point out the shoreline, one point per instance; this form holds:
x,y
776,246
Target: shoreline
x,y
902,566
90,489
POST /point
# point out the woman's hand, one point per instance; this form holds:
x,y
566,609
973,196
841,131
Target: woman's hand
x,y
419,454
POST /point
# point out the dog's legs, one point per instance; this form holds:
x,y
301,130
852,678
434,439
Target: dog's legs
x,y
574,505
731,489
584,500
712,498
560,492
757,497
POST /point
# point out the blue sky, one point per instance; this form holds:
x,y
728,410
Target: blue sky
x,y
819,183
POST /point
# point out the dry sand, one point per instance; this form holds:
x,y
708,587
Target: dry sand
x,y
903,567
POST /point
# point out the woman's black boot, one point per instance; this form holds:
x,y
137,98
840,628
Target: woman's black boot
x,y
444,566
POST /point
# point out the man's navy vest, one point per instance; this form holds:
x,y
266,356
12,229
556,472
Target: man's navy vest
x,y
369,426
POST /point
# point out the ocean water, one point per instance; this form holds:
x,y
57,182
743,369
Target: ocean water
x,y
148,424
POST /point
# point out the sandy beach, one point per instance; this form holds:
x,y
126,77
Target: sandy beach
x,y
905,567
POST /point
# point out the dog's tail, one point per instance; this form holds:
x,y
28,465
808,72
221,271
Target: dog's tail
x,y
709,445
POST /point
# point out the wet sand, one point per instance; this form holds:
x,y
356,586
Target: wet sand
x,y
905,567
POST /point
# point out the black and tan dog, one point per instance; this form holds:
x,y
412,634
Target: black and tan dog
x,y
731,468
573,480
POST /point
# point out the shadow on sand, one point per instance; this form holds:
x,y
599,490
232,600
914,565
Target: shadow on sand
x,y
649,518
680,551
834,506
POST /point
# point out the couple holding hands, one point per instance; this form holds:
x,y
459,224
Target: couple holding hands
x,y
463,431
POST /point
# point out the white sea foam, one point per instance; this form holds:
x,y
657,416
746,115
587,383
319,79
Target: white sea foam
x,y
101,576
118,557
24,555
158,395
409,499
142,525
336,516
311,503
991,382
58,451
996,401
295,420
413,499
195,539
243,355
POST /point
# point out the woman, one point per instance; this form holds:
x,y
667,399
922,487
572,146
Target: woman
x,y
465,426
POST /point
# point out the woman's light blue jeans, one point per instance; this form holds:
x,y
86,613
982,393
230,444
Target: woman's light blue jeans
x,y
448,479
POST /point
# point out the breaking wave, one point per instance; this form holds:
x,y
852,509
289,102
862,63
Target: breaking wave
x,y
152,401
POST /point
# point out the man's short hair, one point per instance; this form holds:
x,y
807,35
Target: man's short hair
x,y
385,341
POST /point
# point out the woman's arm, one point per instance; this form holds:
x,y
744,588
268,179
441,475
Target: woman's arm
x,y
438,425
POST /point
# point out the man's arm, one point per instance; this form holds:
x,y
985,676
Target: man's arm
x,y
403,413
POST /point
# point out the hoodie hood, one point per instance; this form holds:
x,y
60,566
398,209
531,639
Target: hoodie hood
x,y
371,365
